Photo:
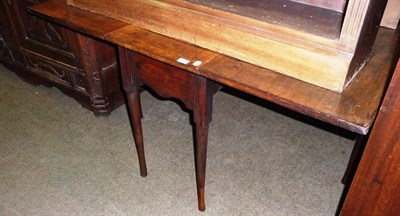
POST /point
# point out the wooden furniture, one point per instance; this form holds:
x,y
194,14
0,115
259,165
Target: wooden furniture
x,y
376,186
322,42
354,109
391,15
193,90
44,53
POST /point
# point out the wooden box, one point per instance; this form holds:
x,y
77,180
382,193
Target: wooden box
x,y
323,42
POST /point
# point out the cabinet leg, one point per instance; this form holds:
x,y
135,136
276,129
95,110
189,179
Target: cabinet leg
x,y
135,112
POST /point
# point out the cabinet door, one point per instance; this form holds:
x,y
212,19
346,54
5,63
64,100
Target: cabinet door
x,y
40,37
49,50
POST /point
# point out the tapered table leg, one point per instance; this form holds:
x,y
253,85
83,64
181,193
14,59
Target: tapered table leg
x,y
202,116
201,155
134,106
128,70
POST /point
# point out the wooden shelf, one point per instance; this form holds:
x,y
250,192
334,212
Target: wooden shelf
x,y
302,17
320,46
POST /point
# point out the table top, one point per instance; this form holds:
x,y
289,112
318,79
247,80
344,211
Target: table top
x,y
354,109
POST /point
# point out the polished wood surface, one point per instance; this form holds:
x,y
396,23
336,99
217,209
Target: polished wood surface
x,y
162,48
44,53
376,186
354,109
82,21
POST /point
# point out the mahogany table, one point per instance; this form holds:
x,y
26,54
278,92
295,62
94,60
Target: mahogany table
x,y
354,109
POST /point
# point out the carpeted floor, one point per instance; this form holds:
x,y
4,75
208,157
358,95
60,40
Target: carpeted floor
x,y
57,158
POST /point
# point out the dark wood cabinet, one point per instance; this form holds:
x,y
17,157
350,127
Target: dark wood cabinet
x,y
8,40
44,53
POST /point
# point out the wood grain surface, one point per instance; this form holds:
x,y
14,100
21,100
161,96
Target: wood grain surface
x,y
337,5
77,19
354,109
239,29
162,48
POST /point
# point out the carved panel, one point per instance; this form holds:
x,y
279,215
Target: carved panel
x,y
42,37
17,57
79,82
38,30
2,22
8,44
4,51
47,68
8,54
91,65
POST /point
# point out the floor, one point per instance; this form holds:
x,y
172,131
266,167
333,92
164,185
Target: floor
x,y
57,158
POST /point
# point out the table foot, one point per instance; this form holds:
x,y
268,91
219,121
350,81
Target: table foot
x,y
200,199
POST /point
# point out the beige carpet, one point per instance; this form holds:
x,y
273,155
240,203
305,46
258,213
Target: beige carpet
x,y
57,158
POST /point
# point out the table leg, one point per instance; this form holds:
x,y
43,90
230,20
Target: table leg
x,y
202,117
355,158
194,91
133,98
128,69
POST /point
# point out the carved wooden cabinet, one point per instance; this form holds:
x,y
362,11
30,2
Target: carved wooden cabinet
x,y
8,43
48,54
